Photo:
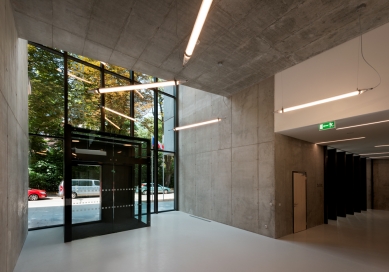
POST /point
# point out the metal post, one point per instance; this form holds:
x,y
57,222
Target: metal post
x,y
155,149
67,186
176,151
66,88
102,98
132,105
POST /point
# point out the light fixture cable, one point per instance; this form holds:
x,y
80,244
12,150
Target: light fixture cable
x,y
359,8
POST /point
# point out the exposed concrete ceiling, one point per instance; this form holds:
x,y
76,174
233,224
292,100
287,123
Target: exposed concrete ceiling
x,y
376,134
253,39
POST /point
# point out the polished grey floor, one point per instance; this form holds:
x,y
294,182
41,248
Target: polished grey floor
x,y
179,242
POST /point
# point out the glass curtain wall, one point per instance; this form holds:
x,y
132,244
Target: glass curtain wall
x,y
46,112
47,117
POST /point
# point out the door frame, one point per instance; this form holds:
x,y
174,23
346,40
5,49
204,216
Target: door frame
x,y
306,198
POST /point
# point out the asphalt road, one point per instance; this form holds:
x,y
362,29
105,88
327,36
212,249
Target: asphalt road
x,y
49,211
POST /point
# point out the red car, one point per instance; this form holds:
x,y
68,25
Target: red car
x,y
35,194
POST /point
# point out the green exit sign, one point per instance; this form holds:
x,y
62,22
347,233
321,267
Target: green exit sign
x,y
327,125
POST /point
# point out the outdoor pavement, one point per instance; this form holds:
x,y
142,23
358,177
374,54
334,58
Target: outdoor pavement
x,y
49,211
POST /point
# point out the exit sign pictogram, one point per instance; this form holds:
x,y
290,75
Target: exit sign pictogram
x,y
327,125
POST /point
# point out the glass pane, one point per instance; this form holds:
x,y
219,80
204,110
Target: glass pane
x,y
165,181
45,205
91,61
84,107
143,78
144,114
86,192
120,102
118,70
46,102
166,123
169,89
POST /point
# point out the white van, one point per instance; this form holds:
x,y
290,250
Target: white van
x,y
82,187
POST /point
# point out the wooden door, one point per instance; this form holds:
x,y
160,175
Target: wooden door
x,y
299,201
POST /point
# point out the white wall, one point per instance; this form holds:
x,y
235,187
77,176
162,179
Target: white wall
x,y
332,73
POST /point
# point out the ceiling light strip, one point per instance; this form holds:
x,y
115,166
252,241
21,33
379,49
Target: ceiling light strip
x,y
318,102
112,123
351,139
374,153
198,124
367,124
136,87
381,145
198,26
118,113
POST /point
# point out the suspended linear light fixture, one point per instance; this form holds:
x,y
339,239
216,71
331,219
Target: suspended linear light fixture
x,y
205,6
361,125
112,123
135,87
89,152
355,93
382,145
118,113
198,124
322,101
343,140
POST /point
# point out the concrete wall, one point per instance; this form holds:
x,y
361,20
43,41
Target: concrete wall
x,y
381,184
13,140
238,171
295,155
226,170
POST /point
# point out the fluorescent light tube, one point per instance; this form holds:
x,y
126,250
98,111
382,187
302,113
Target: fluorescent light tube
x,y
90,152
79,78
367,124
118,113
203,12
198,124
139,93
320,102
75,141
374,153
351,139
136,87
381,145
112,123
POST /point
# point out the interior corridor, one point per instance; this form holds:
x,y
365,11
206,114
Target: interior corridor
x,y
177,241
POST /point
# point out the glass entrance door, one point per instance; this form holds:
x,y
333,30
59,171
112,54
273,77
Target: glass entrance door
x,y
103,174
86,193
